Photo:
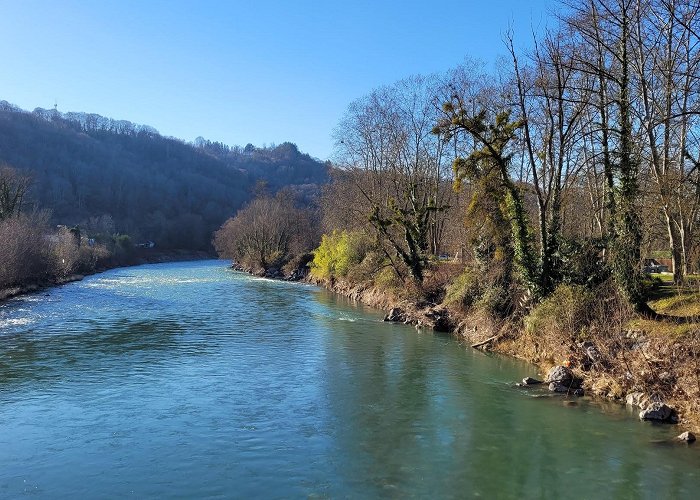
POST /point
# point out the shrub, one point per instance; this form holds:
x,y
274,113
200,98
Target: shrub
x,y
66,252
387,279
566,313
24,255
465,290
338,254
266,233
366,270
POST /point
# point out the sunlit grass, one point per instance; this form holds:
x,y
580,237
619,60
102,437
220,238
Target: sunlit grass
x,y
671,300
664,328
665,277
685,304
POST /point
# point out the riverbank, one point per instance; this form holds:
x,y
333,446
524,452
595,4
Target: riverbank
x,y
146,256
626,359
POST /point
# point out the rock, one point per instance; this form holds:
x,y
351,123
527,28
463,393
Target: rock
x,y
531,381
558,387
659,412
687,437
593,354
396,314
440,319
559,374
565,389
641,400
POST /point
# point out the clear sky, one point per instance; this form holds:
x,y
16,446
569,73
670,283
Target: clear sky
x,y
257,71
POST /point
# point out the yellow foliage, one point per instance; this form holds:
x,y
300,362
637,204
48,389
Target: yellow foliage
x,y
337,254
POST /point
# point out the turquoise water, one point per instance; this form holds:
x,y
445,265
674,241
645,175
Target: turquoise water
x,y
191,380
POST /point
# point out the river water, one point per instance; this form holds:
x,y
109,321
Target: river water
x,y
191,380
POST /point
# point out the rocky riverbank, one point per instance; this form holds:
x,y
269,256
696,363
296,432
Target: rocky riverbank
x,y
634,368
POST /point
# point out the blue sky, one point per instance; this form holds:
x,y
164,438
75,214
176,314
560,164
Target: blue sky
x,y
253,71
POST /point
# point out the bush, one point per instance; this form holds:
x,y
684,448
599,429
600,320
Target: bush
x,y
266,233
373,262
581,263
566,313
387,279
465,290
66,252
24,249
338,254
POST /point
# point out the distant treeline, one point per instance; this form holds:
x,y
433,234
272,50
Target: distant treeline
x,y
112,175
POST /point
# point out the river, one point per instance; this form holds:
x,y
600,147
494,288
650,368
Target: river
x,y
192,380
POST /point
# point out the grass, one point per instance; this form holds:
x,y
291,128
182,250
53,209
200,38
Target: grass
x,y
683,304
672,300
664,288
663,328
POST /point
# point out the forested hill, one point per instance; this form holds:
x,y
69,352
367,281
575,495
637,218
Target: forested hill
x,y
114,176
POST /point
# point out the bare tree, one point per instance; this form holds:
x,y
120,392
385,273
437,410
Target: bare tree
x,y
666,64
398,168
265,233
604,29
551,102
13,188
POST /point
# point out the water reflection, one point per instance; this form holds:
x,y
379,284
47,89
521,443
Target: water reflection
x,y
419,406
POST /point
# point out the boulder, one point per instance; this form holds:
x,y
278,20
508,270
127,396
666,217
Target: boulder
x,y
531,381
686,437
396,314
642,400
659,412
440,319
558,387
560,374
565,389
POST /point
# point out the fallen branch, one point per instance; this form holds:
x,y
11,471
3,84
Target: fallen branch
x,y
479,344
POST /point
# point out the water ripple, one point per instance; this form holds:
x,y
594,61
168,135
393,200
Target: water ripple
x,y
192,380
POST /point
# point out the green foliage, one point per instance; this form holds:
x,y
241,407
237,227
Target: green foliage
x,y
661,254
387,279
123,242
465,290
525,257
581,262
496,300
412,219
123,246
372,263
489,163
338,253
625,250
567,311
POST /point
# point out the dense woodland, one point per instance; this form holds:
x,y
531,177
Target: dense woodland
x,y
118,185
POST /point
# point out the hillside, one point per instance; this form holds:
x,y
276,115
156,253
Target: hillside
x,y
118,177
